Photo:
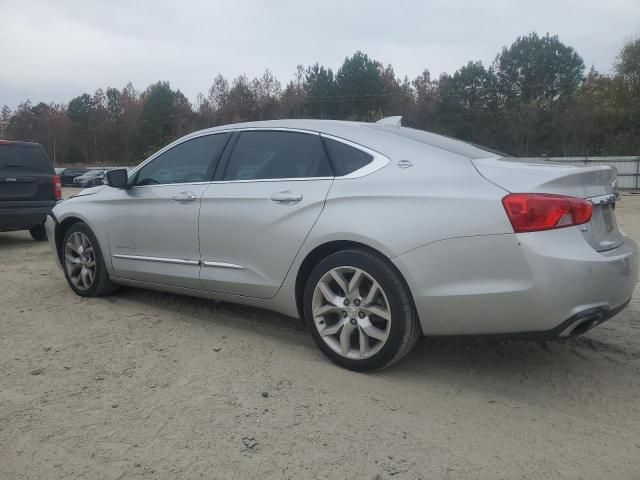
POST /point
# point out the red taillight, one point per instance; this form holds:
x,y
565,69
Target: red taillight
x,y
532,212
57,187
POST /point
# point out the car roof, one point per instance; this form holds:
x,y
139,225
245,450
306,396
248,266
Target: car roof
x,y
368,134
19,143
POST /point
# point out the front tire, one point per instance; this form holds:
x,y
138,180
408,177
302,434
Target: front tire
x,y
359,311
83,262
38,233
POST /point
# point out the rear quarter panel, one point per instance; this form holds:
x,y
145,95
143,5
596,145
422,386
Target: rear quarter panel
x,y
396,210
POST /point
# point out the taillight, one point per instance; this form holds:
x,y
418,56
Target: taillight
x,y
57,187
532,212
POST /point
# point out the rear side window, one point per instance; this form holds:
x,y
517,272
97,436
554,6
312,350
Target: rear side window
x,y
345,158
269,155
25,158
191,161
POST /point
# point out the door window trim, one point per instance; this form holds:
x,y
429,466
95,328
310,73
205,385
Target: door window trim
x,y
134,172
379,160
224,160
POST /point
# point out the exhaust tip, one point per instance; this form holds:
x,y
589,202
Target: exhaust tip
x,y
586,324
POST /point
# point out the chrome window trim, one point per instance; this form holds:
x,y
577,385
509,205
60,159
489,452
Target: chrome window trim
x,y
169,185
230,266
206,133
177,261
175,143
294,179
276,129
379,160
217,182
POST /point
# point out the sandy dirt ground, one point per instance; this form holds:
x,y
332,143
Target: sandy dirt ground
x,y
151,385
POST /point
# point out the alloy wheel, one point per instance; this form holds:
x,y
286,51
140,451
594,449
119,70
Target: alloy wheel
x,y
351,312
80,260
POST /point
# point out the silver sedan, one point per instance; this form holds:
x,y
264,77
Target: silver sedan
x,y
373,234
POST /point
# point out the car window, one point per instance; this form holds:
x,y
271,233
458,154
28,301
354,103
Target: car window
x,y
345,158
24,157
274,154
188,162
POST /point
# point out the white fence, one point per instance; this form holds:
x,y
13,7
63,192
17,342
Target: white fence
x,y
628,167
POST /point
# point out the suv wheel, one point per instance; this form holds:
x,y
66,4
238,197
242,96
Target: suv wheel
x,y
38,233
83,262
359,311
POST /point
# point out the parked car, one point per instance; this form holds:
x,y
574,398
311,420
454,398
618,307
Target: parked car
x,y
90,179
373,234
95,181
69,174
28,188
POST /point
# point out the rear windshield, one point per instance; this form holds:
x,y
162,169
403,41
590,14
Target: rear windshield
x,y
453,145
24,158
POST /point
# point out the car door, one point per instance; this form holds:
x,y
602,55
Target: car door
x,y
153,228
269,191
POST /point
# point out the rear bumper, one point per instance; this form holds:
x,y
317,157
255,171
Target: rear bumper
x,y
50,225
542,283
23,217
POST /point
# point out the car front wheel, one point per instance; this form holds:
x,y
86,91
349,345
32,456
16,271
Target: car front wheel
x,y
83,262
359,310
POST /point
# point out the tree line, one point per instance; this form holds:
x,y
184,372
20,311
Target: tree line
x,y
534,99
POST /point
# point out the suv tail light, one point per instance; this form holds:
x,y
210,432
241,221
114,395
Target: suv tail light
x,y
57,187
532,212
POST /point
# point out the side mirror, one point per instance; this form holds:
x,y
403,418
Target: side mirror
x,y
117,178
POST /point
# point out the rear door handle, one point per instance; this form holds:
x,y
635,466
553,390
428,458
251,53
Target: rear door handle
x,y
286,197
184,197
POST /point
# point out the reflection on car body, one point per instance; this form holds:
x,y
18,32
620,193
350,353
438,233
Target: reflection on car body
x,y
320,219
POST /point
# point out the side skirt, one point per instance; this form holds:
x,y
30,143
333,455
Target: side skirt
x,y
284,301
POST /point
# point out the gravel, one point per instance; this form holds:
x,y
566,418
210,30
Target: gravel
x,y
152,385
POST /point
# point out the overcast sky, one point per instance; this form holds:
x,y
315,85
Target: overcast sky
x,y
54,50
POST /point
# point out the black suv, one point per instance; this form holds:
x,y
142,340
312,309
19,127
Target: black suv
x,y
29,188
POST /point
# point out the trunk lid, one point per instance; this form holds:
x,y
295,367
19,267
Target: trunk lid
x,y
597,184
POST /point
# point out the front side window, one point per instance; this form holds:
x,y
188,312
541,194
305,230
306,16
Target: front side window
x,y
274,154
345,158
188,162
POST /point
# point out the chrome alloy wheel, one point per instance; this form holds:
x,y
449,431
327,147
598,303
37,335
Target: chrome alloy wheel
x,y
80,260
351,312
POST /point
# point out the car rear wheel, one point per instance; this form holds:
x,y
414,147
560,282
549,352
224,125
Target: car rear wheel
x,y
38,232
359,310
83,263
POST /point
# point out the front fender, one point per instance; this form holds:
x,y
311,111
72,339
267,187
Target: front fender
x,y
82,209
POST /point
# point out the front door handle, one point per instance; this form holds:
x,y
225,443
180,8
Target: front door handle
x,y
286,197
184,197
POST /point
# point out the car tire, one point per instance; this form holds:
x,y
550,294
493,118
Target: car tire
x,y
80,253
38,232
360,326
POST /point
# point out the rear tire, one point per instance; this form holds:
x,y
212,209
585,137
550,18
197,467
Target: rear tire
x,y
359,310
83,263
38,233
